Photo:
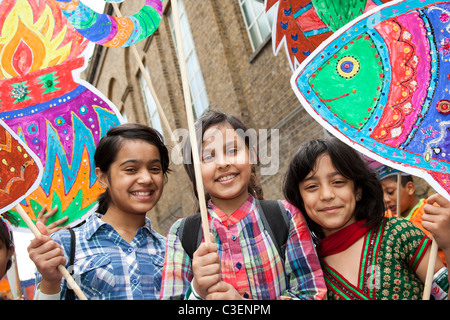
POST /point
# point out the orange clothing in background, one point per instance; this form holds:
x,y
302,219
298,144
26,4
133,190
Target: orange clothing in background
x,y
415,216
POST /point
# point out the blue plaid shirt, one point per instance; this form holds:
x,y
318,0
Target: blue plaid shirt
x,y
106,267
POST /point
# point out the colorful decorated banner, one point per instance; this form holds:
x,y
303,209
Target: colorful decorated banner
x,y
110,31
43,100
381,84
20,170
302,25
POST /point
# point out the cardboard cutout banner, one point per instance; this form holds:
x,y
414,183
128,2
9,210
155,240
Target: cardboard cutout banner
x,y
381,84
42,99
302,25
20,170
110,31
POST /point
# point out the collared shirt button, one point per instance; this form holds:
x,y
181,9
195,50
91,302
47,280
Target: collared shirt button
x,y
233,237
246,295
239,265
130,250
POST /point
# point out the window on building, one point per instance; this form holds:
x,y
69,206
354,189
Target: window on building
x,y
150,104
258,23
199,96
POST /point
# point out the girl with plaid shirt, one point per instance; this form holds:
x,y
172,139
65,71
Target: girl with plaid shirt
x,y
242,261
117,253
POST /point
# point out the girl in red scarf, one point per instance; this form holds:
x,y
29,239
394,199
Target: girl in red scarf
x,y
364,256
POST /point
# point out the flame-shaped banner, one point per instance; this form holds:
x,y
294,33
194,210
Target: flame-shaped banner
x,y
42,99
20,170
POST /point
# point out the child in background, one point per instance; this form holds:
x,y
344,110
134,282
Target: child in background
x,y
242,261
117,253
364,255
411,207
6,247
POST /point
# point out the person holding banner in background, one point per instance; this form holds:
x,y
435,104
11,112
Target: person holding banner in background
x,y
243,260
410,206
117,254
364,256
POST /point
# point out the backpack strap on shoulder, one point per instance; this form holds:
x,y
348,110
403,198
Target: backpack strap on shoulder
x,y
191,233
274,217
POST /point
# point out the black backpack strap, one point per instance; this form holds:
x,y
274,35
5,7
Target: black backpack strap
x,y
274,217
70,294
272,213
191,233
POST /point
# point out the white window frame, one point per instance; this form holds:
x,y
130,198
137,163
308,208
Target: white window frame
x,y
266,20
150,103
199,95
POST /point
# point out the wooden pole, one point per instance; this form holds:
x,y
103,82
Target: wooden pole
x,y
430,271
399,185
61,268
16,271
189,112
190,120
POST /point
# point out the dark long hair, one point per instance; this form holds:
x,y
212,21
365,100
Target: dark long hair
x,y
350,164
6,238
208,119
109,146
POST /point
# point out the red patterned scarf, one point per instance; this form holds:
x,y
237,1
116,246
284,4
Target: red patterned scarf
x,y
342,239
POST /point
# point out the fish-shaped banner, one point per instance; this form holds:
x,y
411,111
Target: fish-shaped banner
x,y
381,84
302,25
110,31
20,169
60,117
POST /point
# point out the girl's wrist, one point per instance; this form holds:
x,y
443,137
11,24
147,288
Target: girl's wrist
x,y
192,294
50,287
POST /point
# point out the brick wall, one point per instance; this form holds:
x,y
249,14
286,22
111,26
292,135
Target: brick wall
x,y
255,86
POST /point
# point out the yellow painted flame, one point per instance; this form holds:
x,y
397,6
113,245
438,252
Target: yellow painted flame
x,y
48,35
